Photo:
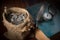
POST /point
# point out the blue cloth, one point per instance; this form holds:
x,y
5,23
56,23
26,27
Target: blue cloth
x,y
49,27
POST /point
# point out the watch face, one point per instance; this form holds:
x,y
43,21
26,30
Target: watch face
x,y
15,18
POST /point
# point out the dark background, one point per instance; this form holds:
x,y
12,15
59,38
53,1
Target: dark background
x,y
23,4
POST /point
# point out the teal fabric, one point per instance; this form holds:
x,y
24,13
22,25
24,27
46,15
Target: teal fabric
x,y
49,27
